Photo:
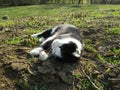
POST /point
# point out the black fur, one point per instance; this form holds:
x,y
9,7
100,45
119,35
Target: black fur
x,y
61,32
67,50
45,34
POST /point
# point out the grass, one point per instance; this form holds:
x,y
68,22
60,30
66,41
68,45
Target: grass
x,y
8,23
56,13
115,30
41,10
37,18
112,56
13,41
34,10
31,31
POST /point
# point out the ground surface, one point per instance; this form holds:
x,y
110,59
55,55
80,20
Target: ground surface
x,y
99,65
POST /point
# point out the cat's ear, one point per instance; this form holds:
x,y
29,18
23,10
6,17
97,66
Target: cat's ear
x,y
77,53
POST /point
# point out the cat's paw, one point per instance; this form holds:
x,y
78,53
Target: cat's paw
x,y
36,51
43,56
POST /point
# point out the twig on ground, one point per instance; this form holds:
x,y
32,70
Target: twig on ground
x,y
96,87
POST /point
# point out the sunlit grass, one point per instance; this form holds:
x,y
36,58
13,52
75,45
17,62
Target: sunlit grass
x,y
112,56
7,23
13,41
31,31
51,9
115,30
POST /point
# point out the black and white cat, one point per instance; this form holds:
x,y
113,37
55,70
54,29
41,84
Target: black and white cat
x,y
63,42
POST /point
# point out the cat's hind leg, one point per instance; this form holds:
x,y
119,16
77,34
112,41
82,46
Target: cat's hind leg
x,y
45,34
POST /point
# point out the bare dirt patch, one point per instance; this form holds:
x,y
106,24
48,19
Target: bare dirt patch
x,y
18,71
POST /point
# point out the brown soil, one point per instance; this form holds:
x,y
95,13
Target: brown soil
x,y
20,72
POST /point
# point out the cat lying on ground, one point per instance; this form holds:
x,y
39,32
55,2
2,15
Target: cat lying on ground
x,y
62,42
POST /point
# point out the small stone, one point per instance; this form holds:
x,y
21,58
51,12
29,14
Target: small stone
x,y
66,78
5,17
2,85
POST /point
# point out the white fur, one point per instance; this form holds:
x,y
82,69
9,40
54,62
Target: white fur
x,y
79,45
54,29
35,35
49,39
41,39
65,26
39,52
43,56
69,25
56,43
77,53
36,51
59,42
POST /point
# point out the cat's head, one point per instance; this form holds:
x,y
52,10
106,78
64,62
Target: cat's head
x,y
70,49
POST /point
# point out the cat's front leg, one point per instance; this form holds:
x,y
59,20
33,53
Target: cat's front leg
x,y
39,52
